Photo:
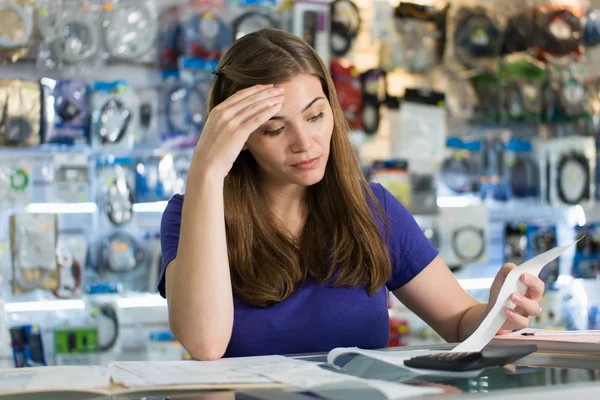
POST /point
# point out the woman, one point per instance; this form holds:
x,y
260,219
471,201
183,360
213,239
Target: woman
x,y
281,246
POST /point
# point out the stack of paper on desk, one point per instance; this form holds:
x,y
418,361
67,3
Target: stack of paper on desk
x,y
73,378
563,341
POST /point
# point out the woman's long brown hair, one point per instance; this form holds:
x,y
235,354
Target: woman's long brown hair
x,y
340,242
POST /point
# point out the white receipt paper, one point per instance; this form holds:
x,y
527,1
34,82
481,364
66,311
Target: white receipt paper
x,y
496,318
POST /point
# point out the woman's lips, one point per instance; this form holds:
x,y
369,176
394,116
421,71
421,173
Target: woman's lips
x,y
308,164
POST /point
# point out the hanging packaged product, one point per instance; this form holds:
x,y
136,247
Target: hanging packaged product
x,y
33,245
522,79
541,238
17,29
421,41
129,30
148,110
349,92
559,31
206,29
464,235
494,182
374,95
311,21
70,35
476,35
170,41
420,136
16,186
521,170
571,98
487,88
515,243
185,101
157,178
423,194
115,123
586,263
252,15
116,189
71,177
119,258
393,175
519,33
66,115
566,170
345,24
461,168
20,111
591,33
71,253
27,346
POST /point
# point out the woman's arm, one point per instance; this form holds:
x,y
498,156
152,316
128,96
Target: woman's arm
x,y
438,299
198,284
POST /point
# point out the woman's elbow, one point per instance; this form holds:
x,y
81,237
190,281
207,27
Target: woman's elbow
x,y
211,352
199,346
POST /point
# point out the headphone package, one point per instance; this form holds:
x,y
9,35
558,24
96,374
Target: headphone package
x,y
475,35
71,253
33,246
515,243
460,170
71,177
16,183
20,110
560,31
420,135
116,189
71,35
66,114
494,183
119,257
349,92
18,29
567,168
249,16
311,21
129,31
419,39
374,96
586,262
522,89
206,29
170,43
464,235
114,116
591,33
157,178
540,238
521,170
345,25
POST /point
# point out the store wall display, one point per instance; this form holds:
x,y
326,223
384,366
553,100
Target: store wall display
x,y
348,86
460,171
542,237
586,263
345,24
20,113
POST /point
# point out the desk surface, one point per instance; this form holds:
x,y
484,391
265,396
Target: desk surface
x,y
540,375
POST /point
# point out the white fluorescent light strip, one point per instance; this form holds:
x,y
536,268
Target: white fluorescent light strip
x,y
47,305
141,302
156,207
62,208
457,201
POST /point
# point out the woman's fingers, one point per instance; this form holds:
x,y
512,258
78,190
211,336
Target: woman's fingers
x,y
241,95
529,307
254,108
535,286
252,123
517,319
231,111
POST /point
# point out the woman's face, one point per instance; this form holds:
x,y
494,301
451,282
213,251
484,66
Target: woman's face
x,y
293,147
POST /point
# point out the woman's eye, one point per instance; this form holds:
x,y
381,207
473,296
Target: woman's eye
x,y
316,117
273,133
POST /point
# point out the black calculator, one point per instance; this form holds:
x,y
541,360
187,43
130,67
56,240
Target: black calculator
x,y
488,357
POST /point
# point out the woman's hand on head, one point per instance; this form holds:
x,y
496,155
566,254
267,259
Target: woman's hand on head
x,y
229,125
527,306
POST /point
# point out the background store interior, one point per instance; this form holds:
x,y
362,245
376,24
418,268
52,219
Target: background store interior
x,y
481,117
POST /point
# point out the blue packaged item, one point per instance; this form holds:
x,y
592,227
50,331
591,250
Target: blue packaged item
x,y
66,111
521,169
27,346
460,171
157,178
585,261
541,238
494,183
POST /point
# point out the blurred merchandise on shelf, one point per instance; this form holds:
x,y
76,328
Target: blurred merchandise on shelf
x,y
348,87
27,346
463,235
393,175
20,113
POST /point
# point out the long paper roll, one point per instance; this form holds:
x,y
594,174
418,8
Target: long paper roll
x,y
496,317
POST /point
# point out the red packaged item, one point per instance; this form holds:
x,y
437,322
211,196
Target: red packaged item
x,y
349,91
